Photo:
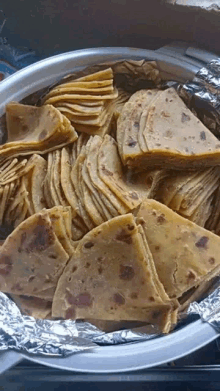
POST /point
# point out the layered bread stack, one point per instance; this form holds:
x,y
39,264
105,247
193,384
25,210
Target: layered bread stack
x,y
115,219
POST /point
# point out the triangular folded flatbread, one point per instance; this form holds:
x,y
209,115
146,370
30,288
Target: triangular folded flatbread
x,y
173,136
32,258
112,174
61,222
35,129
37,180
128,125
111,202
184,253
190,194
203,212
88,104
111,276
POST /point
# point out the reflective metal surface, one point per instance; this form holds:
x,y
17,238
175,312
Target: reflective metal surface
x,y
129,356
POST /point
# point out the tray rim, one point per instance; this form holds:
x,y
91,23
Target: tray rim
x,y
120,358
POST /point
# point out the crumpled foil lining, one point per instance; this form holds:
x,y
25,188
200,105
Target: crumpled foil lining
x,y
60,338
55,338
202,96
208,309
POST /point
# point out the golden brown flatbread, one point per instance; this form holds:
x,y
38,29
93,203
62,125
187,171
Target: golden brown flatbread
x,y
16,208
14,169
111,173
109,199
50,190
46,183
32,258
99,284
173,136
35,129
66,183
103,204
214,218
123,97
60,218
203,212
90,205
86,103
83,111
184,253
78,227
128,126
5,194
190,194
57,177
37,181
75,178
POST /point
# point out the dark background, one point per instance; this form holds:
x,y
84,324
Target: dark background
x,y
52,26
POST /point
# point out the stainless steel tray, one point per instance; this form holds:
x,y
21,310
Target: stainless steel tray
x,y
174,64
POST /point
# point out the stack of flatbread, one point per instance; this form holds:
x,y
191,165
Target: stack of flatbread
x,y
131,268
13,169
117,269
191,194
94,184
90,239
87,175
88,102
35,130
21,190
120,101
213,223
155,128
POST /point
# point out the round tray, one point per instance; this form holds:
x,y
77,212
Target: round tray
x,y
128,357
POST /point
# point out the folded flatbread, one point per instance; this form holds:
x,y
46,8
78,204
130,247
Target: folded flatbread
x,y
112,174
111,276
190,194
171,135
87,103
32,258
35,129
128,125
184,253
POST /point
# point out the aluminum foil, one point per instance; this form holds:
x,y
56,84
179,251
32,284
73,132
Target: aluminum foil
x,y
202,96
61,338
208,309
55,338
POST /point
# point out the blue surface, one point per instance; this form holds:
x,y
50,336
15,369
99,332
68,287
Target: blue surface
x,y
12,59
